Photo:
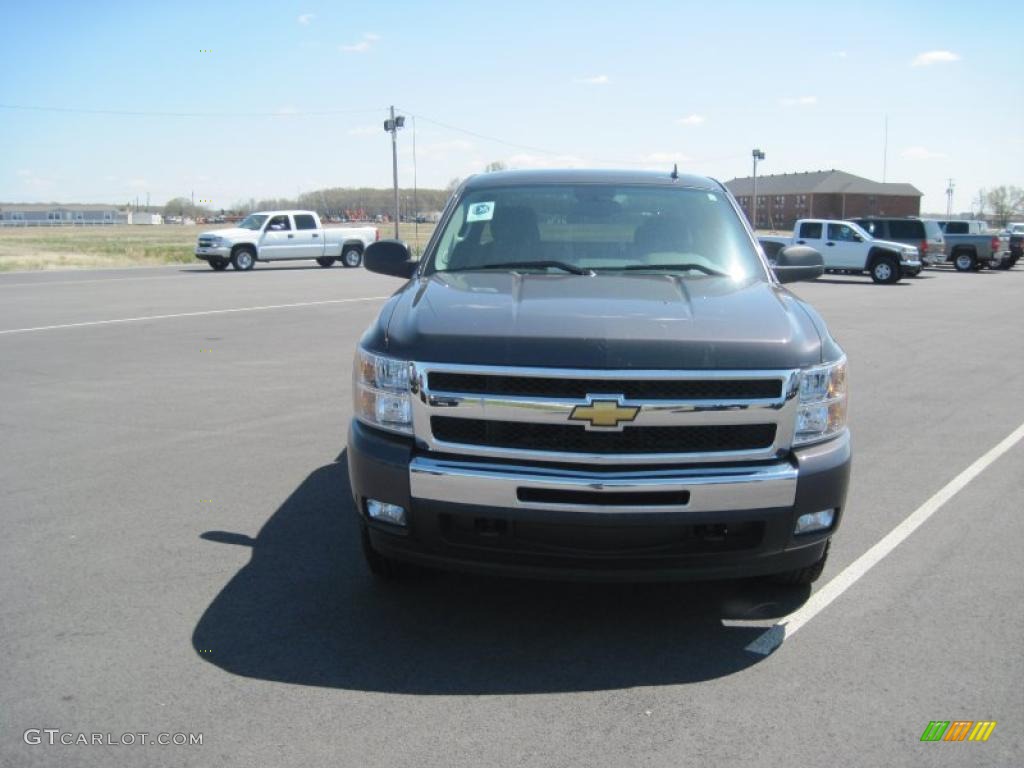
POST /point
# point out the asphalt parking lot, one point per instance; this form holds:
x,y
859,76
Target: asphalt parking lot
x,y
179,554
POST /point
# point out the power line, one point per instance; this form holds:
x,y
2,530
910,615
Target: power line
x,y
515,145
468,132
137,113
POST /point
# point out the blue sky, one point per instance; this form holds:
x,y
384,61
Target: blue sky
x,y
292,96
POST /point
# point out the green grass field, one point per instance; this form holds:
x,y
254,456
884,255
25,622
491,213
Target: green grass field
x,y
25,248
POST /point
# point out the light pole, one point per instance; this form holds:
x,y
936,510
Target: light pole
x,y
392,126
757,155
949,199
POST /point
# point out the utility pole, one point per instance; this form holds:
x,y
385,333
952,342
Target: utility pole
x,y
949,199
757,155
391,126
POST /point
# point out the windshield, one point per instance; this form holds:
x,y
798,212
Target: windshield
x,y
252,221
860,230
587,228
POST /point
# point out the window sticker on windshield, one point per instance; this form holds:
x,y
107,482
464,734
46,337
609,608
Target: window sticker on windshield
x,y
480,212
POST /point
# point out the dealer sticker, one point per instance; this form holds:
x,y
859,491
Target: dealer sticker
x,y
480,212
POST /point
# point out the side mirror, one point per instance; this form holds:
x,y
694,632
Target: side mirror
x,y
798,262
389,257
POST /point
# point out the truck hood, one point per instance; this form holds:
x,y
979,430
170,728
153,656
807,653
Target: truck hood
x,y
899,247
232,233
606,321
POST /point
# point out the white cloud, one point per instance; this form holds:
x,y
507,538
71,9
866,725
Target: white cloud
x,y
138,183
286,110
841,54
691,120
934,57
595,80
921,153
364,130
798,101
305,18
369,38
24,173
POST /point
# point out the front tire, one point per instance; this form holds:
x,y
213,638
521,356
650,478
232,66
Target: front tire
x,y
804,577
965,261
243,259
219,265
885,270
325,262
351,257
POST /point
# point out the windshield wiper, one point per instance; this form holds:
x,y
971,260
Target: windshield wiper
x,y
564,266
674,268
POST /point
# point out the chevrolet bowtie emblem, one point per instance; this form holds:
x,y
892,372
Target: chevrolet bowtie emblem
x,y
604,413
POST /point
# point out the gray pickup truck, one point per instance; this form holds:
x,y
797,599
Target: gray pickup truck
x,y
971,251
597,375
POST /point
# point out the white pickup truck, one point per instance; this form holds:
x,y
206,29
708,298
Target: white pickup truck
x,y
283,235
847,247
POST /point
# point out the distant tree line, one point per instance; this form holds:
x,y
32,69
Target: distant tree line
x,y
1005,203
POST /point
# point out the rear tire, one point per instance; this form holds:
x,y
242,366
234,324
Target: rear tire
x,y
243,259
885,270
219,265
325,262
351,256
803,577
965,261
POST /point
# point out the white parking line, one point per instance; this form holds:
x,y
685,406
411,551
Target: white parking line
x,y
48,283
192,314
788,625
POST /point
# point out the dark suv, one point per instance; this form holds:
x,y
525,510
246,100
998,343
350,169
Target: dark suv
x,y
924,235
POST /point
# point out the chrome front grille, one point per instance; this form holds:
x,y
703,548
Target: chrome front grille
x,y
573,438
530,414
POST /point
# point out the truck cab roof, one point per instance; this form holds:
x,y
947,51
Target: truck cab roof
x,y
589,176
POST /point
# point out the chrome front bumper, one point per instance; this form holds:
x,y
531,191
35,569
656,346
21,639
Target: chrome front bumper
x,y
207,252
708,489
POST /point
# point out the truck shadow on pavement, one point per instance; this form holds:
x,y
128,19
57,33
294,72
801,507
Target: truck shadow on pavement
x,y
304,610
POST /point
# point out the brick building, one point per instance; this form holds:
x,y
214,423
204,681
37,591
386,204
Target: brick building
x,y
784,198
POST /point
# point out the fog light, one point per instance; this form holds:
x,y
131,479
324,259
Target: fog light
x,y
389,513
815,521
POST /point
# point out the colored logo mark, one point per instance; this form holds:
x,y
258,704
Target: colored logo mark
x,y
958,730
604,413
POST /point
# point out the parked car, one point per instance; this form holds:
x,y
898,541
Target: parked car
x,y
925,235
636,398
1015,233
846,247
283,235
969,251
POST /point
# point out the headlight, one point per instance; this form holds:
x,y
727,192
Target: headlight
x,y
822,410
380,386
